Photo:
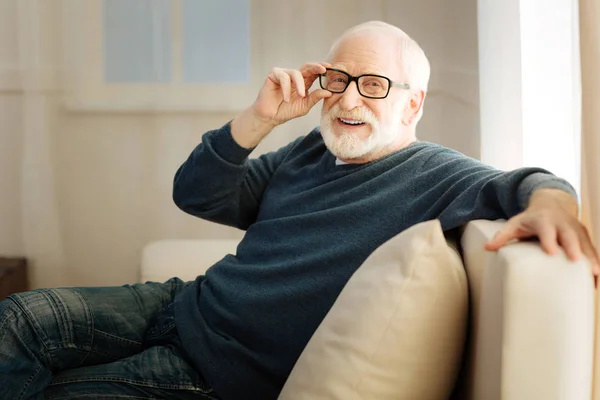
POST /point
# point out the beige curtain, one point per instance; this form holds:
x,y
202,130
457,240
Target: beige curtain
x,y
590,74
589,17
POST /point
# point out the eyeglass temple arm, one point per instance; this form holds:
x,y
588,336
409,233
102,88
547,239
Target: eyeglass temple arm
x,y
401,85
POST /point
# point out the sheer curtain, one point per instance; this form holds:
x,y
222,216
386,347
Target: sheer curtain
x,y
108,56
41,227
46,71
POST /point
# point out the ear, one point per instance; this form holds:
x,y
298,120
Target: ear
x,y
414,107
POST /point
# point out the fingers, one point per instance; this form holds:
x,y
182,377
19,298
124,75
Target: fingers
x,y
298,81
291,81
514,229
315,96
569,234
548,238
589,251
294,81
569,240
501,238
511,230
284,81
311,72
314,68
577,243
592,255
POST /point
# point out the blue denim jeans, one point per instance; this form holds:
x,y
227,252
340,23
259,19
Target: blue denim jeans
x,y
97,342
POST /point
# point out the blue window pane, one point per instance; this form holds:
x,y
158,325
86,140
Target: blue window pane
x,y
137,40
216,41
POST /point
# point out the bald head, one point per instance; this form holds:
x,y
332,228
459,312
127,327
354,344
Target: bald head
x,y
411,59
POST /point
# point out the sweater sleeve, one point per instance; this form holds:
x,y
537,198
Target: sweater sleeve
x,y
461,189
219,183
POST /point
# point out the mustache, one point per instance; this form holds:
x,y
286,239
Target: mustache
x,y
361,114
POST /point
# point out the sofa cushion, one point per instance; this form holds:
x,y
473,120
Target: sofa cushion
x,y
397,329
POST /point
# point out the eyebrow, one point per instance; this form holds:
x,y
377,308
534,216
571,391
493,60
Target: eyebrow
x,y
342,68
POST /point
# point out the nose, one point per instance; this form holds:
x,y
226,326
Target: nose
x,y
351,98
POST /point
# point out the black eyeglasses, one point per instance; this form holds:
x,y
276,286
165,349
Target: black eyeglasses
x,y
368,85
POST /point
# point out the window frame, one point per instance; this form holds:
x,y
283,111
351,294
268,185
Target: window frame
x,y
86,89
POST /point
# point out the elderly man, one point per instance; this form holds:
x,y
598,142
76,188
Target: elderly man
x,y
313,211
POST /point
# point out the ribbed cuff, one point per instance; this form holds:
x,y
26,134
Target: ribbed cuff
x,y
227,148
540,180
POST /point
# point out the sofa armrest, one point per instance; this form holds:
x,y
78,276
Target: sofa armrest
x,y
185,259
532,321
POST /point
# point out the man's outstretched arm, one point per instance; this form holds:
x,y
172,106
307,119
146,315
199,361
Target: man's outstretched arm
x,y
535,202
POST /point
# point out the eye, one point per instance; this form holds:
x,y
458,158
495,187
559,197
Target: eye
x,y
337,78
374,83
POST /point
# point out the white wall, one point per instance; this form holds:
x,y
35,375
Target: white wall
x,y
114,170
447,31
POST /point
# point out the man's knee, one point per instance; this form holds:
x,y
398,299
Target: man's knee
x,y
24,363
53,315
9,311
11,325
14,317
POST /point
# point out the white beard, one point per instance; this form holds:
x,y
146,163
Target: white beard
x,y
348,145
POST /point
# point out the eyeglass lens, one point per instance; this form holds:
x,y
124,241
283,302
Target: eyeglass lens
x,y
368,85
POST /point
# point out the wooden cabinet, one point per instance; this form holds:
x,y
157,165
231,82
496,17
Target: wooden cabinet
x,y
13,276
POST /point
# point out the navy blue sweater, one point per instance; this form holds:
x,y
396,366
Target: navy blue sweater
x,y
309,225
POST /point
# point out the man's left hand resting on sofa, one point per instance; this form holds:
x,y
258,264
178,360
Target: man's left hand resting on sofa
x,y
552,217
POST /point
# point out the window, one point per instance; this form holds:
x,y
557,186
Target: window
x,y
203,21
160,54
137,41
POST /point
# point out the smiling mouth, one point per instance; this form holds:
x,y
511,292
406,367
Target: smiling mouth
x,y
351,122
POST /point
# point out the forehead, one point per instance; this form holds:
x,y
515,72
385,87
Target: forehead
x,y
359,71
367,54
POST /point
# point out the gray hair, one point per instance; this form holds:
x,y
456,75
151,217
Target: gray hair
x,y
413,61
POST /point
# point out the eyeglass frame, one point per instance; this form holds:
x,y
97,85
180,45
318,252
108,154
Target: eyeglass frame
x,y
351,79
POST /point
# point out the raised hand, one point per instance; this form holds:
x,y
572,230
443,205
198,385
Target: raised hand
x,y
284,95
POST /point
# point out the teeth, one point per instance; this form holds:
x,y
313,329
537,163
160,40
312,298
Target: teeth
x,y
351,122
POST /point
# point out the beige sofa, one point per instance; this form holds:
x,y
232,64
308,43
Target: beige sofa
x,y
531,331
